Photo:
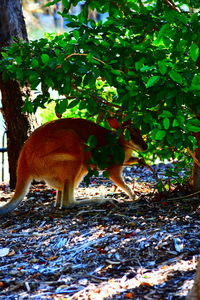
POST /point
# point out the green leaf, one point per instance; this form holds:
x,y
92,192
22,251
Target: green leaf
x,y
32,76
139,64
51,3
91,141
116,72
45,58
127,134
92,82
195,121
66,4
67,85
48,81
61,106
18,60
91,59
34,63
192,128
166,114
76,34
175,76
194,52
152,81
195,83
162,67
28,106
106,174
181,119
19,74
147,68
86,79
73,104
62,44
118,154
160,134
165,29
4,54
166,123
83,105
175,123
108,77
193,125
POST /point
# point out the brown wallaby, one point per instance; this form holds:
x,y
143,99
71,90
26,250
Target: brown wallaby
x,y
56,153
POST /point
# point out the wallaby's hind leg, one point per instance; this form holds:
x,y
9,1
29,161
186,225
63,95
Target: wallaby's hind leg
x,y
58,198
116,177
67,195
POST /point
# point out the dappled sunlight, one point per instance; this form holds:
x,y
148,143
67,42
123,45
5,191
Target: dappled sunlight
x,y
121,249
140,278
118,78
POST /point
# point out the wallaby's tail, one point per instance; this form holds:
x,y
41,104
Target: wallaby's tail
x,y
14,202
23,183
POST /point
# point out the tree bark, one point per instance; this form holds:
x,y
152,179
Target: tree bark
x,y
18,125
194,294
196,168
12,24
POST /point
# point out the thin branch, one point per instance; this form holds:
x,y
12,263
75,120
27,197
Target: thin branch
x,y
183,197
81,54
98,98
105,102
84,54
171,4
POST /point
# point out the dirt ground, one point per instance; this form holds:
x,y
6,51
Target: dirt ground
x,y
117,250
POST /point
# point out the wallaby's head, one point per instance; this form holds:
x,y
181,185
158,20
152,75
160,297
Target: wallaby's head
x,y
136,141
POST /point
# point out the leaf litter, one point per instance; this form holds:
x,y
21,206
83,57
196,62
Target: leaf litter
x,y
117,250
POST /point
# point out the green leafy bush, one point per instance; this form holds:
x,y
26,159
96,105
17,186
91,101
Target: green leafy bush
x,y
142,63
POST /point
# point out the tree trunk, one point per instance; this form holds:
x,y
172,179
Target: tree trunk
x,y
194,294
18,125
196,167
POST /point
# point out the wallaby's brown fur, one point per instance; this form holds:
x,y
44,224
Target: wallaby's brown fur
x,y
56,153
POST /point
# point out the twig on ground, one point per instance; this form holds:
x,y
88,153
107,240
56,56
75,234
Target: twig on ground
x,y
183,197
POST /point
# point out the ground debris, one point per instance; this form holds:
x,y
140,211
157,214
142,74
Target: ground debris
x,y
122,250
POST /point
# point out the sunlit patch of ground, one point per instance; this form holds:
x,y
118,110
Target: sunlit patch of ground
x,y
118,250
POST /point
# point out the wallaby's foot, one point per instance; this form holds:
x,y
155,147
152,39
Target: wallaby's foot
x,y
92,201
135,197
95,201
81,202
56,204
74,204
69,205
106,200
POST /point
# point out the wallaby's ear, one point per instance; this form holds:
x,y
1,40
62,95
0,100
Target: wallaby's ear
x,y
113,123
